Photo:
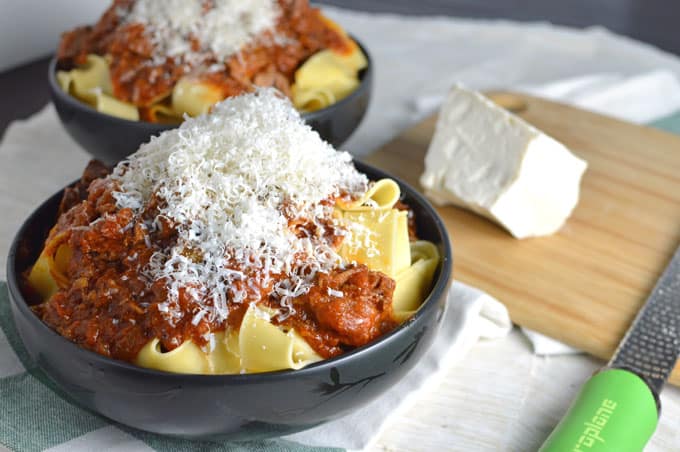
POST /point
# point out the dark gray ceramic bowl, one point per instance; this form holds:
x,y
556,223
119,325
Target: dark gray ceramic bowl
x,y
228,406
111,139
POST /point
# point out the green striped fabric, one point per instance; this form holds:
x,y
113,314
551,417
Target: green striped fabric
x,y
669,123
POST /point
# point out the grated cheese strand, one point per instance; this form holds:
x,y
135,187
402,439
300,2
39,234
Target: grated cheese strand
x,y
221,27
226,181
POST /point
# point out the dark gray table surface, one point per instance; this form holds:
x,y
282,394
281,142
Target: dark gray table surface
x,y
23,90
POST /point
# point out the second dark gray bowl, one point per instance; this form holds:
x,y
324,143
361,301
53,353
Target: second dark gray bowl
x,y
111,139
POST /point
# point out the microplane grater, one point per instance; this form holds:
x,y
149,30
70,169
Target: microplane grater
x,y
617,409
651,345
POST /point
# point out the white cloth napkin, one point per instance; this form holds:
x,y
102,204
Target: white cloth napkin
x,y
640,99
29,29
420,57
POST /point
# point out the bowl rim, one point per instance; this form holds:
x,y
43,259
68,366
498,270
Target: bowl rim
x,y
439,289
365,79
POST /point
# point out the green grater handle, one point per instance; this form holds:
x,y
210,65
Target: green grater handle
x,y
614,412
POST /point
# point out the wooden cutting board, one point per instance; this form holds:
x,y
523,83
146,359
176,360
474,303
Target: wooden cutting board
x,y
583,285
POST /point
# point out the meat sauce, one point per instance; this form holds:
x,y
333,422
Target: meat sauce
x,y
108,305
137,79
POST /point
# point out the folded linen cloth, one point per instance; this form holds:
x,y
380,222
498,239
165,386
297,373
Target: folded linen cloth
x,y
641,98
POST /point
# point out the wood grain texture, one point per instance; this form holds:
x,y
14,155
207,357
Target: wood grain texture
x,y
583,285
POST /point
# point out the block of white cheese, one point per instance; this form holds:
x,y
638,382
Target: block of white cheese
x,y
494,163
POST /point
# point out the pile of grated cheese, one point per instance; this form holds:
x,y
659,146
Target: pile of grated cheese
x,y
227,180
222,27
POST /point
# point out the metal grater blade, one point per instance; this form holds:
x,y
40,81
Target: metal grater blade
x,y
651,345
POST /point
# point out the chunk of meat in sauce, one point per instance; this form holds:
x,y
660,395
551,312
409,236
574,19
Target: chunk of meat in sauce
x,y
78,192
355,303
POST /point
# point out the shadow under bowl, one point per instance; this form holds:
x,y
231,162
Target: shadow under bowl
x,y
228,406
111,139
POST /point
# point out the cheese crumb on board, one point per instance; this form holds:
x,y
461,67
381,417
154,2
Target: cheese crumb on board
x,y
494,163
